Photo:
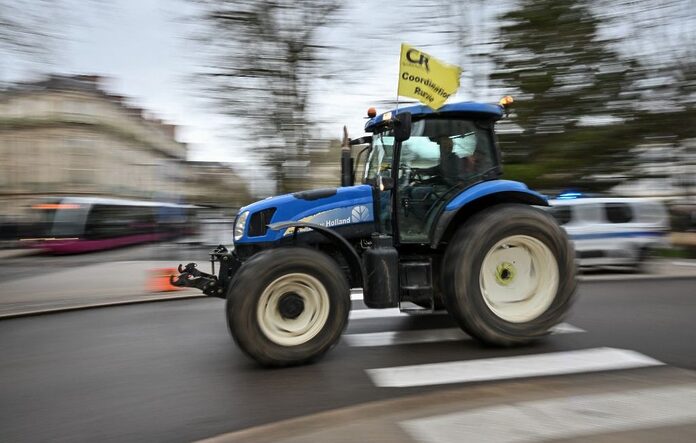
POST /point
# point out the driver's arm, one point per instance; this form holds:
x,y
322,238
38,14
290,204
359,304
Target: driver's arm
x,y
433,170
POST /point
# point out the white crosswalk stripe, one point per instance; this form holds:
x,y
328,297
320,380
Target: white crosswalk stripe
x,y
561,418
356,294
498,368
501,368
362,314
389,338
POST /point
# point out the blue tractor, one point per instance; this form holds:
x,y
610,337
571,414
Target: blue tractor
x,y
430,226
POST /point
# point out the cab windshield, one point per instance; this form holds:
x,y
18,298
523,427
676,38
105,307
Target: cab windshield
x,y
380,158
448,151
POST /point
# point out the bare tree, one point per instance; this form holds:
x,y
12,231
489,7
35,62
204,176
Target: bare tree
x,y
26,28
30,30
261,59
661,36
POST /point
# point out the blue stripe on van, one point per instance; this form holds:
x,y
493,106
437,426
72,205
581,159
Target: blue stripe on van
x,y
617,235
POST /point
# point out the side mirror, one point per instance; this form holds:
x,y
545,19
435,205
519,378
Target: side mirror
x,y
402,127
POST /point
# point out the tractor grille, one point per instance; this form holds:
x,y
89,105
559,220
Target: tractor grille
x,y
259,221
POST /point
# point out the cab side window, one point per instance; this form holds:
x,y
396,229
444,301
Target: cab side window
x,y
618,213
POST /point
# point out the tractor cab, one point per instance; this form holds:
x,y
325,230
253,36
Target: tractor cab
x,y
439,155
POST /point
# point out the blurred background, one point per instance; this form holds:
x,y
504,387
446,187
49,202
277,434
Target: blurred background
x,y
159,119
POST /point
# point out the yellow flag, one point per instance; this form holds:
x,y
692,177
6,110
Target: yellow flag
x,y
426,78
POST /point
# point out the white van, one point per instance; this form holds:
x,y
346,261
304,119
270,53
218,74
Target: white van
x,y
612,231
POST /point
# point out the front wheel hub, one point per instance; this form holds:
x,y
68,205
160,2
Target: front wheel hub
x,y
293,309
290,305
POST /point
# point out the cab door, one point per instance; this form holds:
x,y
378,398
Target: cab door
x,y
442,158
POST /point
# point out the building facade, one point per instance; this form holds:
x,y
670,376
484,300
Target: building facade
x,y
67,136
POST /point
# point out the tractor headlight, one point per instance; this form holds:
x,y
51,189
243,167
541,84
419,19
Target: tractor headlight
x,y
240,224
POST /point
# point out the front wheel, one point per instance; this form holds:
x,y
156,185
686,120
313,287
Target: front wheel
x,y
509,275
288,306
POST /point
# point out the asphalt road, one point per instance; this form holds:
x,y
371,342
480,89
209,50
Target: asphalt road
x,y
169,371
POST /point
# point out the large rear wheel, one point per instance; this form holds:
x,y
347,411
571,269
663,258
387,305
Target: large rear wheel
x,y
509,275
288,306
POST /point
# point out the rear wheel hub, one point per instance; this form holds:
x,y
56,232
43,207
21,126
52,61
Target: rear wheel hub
x,y
519,278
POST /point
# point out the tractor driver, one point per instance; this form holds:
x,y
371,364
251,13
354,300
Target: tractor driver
x,y
455,165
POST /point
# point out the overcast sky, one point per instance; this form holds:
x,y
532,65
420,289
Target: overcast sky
x,y
142,46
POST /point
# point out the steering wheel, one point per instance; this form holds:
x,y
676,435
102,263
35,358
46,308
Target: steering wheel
x,y
418,180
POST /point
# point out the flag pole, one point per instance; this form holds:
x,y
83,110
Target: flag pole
x,y
396,111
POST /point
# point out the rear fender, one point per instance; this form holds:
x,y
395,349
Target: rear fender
x,y
477,198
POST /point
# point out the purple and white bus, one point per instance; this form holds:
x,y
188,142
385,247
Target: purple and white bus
x,y
72,225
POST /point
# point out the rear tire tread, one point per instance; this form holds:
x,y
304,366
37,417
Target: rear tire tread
x,y
462,264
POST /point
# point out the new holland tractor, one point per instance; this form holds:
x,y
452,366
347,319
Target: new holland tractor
x,y
429,226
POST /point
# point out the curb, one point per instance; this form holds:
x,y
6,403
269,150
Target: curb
x,y
442,401
611,278
84,306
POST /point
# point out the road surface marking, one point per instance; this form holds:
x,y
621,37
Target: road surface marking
x,y
361,314
561,418
390,338
500,368
356,294
565,328
684,263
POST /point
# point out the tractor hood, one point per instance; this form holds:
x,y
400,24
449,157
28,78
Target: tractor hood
x,y
331,207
